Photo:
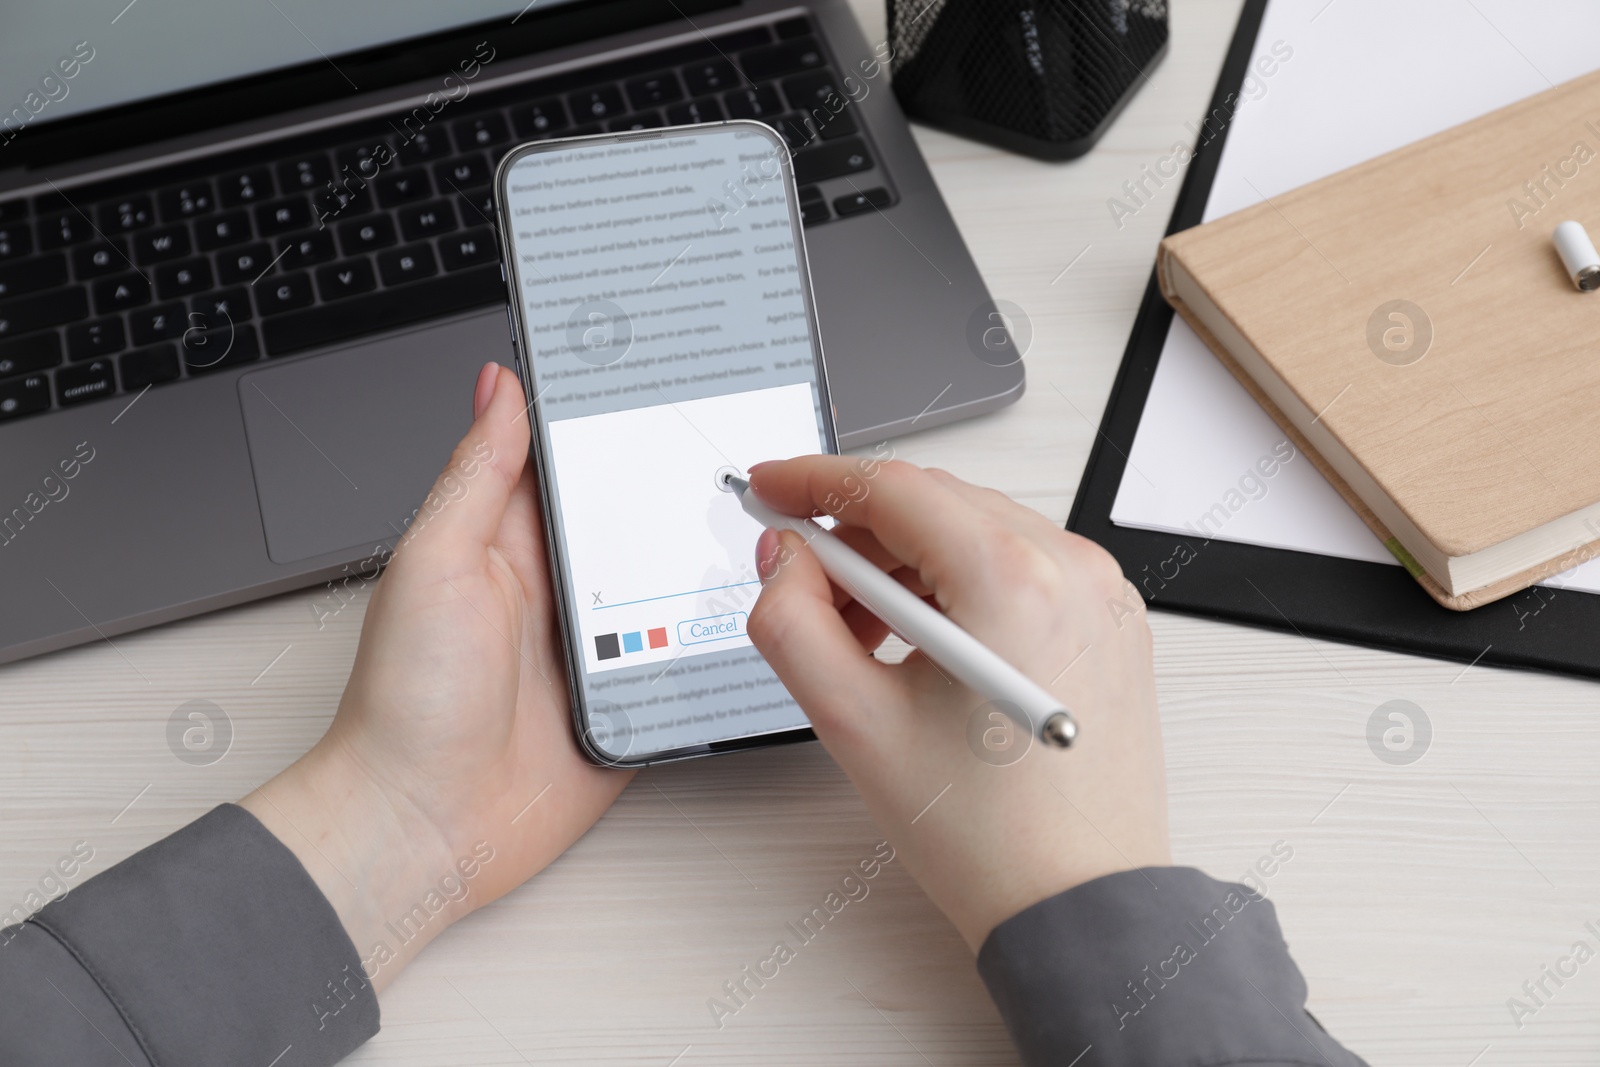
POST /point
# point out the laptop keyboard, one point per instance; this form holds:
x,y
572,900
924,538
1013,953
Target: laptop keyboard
x,y
173,273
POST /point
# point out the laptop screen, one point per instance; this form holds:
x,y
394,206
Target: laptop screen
x,y
68,57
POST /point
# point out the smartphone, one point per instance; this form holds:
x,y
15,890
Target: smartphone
x,y
662,316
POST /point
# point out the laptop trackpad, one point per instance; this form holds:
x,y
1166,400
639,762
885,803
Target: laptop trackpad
x,y
346,445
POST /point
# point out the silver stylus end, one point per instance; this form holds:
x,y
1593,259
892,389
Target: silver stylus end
x,y
1059,730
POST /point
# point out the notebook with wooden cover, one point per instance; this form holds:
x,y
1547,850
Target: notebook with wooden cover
x,y
1409,324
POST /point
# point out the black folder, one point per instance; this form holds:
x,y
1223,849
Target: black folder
x,y
1356,602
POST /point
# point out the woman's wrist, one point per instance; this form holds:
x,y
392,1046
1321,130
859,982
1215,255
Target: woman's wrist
x,y
383,866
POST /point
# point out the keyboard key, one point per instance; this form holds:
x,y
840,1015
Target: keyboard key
x,y
350,278
283,216
85,381
789,29
813,212
427,220
776,60
706,110
214,349
127,214
244,264
829,110
101,258
403,187
304,173
654,90
365,159
468,249
16,240
325,324
476,205
710,76
366,235
796,130
120,293
347,198
30,275
285,292
406,264
159,323
425,147
187,201
809,192
463,173
13,211
305,250
68,228
92,340
148,366
645,120
753,102
183,279
221,307
39,310
481,131
831,160
222,231
861,202
24,396
835,124
168,242
28,354
245,187
812,89
602,103
540,118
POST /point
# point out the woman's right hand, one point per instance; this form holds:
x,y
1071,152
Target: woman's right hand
x,y
985,832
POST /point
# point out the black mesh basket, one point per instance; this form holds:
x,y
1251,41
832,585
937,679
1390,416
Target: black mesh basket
x,y
1041,77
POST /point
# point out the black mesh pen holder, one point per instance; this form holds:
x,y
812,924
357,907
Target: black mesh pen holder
x,y
1040,77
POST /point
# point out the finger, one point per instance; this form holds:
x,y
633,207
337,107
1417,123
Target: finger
x,y
467,503
866,543
921,522
1002,509
868,630
808,644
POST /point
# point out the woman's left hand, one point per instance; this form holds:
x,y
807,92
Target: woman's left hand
x,y
450,773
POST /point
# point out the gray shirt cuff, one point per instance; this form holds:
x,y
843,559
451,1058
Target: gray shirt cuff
x,y
1159,967
212,946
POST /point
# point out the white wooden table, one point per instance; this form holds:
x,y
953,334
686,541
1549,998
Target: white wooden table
x,y
1418,900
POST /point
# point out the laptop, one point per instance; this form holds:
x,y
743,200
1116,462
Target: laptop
x,y
248,271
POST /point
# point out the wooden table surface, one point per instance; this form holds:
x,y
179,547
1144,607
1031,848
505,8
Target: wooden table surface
x,y
1418,898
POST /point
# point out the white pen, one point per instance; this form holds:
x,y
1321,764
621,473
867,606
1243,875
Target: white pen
x,y
916,623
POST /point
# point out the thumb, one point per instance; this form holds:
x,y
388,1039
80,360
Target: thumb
x,y
465,507
794,625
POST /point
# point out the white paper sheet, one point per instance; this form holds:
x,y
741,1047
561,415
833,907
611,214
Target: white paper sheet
x,y
1362,77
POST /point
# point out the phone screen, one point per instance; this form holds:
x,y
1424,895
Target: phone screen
x,y
665,333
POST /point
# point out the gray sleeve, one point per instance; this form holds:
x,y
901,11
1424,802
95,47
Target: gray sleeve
x,y
1157,967
212,946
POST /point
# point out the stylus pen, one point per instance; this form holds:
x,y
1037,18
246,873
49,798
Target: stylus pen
x,y
973,663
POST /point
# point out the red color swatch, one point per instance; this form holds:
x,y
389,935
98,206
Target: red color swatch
x,y
658,637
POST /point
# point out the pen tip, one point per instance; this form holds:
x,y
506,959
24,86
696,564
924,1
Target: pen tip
x,y
736,484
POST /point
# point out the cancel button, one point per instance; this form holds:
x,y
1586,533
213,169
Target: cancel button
x,y
712,628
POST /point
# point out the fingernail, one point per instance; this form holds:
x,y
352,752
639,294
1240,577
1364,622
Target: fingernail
x,y
484,391
767,548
